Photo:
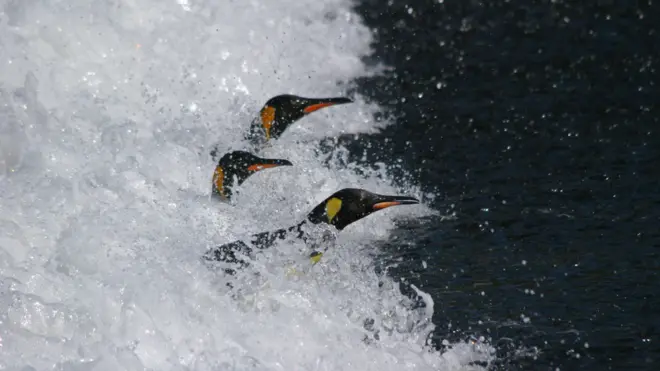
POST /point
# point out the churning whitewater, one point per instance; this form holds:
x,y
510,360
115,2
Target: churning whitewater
x,y
108,112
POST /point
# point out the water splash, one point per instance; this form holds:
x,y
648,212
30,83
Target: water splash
x,y
108,111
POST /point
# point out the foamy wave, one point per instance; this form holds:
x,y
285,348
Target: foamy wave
x,y
108,110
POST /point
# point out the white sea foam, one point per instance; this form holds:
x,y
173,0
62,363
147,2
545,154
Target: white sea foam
x,y
108,110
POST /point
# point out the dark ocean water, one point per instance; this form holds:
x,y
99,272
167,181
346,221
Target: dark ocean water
x,y
536,124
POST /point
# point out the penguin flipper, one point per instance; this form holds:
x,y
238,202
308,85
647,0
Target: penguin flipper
x,y
265,240
228,253
234,252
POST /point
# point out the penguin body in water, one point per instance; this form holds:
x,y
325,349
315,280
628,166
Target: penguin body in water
x,y
234,168
339,210
281,111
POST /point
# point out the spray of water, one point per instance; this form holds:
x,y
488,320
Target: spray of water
x,y
108,110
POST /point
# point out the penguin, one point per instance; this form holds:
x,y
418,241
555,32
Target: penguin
x,y
234,168
339,210
283,110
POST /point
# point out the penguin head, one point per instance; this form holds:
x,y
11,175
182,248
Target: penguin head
x,y
235,167
283,110
351,204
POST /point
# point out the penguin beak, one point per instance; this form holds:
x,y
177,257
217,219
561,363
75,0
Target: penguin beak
x,y
268,163
383,202
312,105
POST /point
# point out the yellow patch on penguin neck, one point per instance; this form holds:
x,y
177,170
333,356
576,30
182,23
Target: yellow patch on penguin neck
x,y
267,118
219,180
332,208
315,257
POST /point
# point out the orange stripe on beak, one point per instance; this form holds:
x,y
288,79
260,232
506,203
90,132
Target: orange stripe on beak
x,y
318,106
384,205
257,167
